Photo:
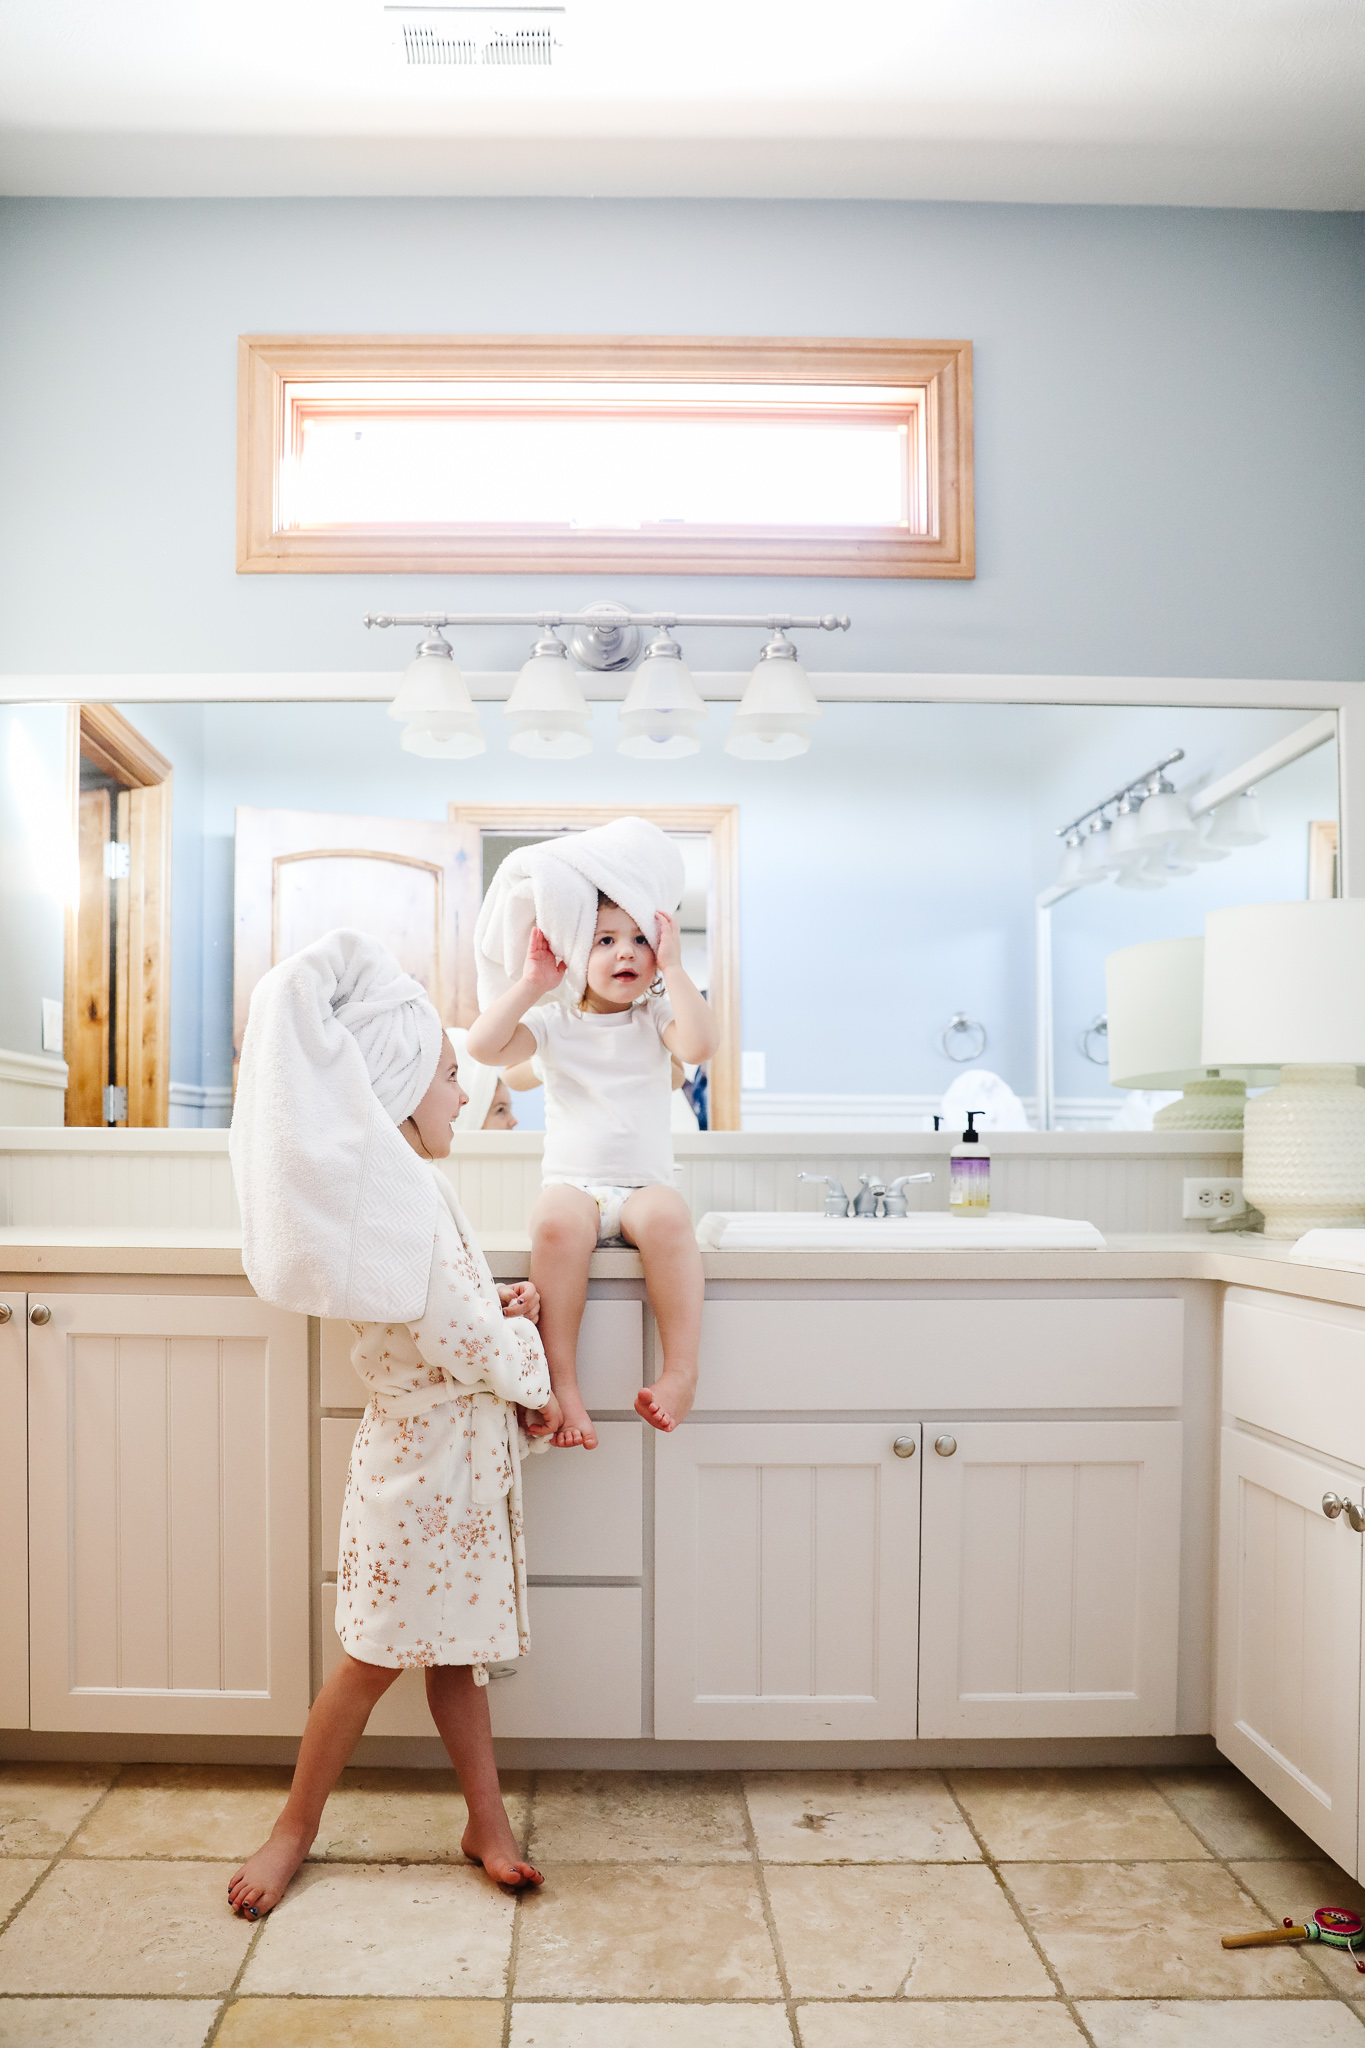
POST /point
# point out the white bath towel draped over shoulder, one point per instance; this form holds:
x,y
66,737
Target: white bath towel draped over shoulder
x,y
480,1083
338,1212
555,885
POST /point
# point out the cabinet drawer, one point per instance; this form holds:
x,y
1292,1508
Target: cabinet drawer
x,y
582,1507
946,1355
580,1678
610,1358
1297,1369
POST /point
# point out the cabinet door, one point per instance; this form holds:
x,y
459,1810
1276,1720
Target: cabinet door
x,y
1051,1594
13,1514
1288,1710
168,1515
786,1580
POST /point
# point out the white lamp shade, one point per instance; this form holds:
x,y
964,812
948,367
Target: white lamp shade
x,y
1154,996
1284,983
1123,839
1069,871
548,712
663,714
449,746
778,708
1096,865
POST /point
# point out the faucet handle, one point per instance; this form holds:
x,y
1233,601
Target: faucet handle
x,y
895,1203
836,1201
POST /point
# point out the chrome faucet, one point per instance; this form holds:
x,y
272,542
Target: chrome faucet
x,y
870,1193
836,1201
895,1203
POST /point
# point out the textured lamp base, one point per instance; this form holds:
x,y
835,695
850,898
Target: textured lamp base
x,y
1205,1106
1303,1159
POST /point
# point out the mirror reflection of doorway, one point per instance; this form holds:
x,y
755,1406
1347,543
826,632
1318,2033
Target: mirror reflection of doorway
x,y
117,1000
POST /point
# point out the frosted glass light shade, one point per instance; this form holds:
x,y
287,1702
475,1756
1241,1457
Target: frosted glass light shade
x,y
664,711
1165,818
547,711
1238,823
1285,982
434,705
778,709
1096,866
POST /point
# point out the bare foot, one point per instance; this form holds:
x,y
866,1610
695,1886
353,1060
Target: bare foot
x,y
575,1431
669,1401
489,1840
260,1884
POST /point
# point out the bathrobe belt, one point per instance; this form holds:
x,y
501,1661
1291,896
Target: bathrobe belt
x,y
494,1438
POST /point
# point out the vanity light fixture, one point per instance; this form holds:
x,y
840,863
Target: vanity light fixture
x,y
1069,873
662,715
1122,849
661,719
434,706
1165,820
1096,865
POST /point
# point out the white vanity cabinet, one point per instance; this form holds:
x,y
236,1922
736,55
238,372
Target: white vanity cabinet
x,y
1022,1579
168,1514
1050,1584
1291,1576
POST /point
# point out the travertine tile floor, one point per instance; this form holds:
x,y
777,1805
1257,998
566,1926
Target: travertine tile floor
x,y
878,1909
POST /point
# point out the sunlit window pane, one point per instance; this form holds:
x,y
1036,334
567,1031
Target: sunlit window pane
x,y
602,457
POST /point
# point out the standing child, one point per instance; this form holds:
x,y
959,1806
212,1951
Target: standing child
x,y
347,1092
604,1047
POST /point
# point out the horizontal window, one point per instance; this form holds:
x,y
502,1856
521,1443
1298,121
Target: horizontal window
x,y
657,454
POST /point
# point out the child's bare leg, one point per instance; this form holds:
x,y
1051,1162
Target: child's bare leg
x,y
657,1220
563,1238
336,1723
460,1710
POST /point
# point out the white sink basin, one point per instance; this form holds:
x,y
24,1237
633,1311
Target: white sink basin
x,y
928,1230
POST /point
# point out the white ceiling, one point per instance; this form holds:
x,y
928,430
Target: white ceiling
x,y
1170,102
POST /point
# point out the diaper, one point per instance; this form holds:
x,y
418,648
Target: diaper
x,y
609,1202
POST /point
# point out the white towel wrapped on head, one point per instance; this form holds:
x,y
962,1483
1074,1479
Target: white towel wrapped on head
x,y
338,1211
555,885
480,1083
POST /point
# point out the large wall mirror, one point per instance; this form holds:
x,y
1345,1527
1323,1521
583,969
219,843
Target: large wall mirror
x,y
867,917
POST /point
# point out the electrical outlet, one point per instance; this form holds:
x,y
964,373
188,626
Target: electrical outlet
x,y
1213,1199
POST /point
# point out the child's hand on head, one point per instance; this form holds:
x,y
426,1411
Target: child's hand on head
x,y
542,970
668,946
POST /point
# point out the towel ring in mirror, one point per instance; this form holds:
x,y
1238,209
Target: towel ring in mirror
x,y
1098,1027
962,1029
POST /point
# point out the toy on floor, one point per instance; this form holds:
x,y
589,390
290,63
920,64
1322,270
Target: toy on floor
x,y
1331,1924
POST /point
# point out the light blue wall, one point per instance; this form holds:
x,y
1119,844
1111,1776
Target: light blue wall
x,y
1170,416
36,869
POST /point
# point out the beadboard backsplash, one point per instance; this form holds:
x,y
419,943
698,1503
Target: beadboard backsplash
x,y
1123,1182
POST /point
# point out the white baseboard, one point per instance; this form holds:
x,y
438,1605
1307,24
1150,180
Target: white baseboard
x,y
32,1089
198,1108
765,1111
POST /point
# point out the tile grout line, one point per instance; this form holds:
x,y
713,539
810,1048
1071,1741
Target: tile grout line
x,y
1225,1863
59,1854
769,1918
993,1866
514,1945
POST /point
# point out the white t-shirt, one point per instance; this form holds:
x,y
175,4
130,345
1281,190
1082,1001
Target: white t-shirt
x,y
608,1080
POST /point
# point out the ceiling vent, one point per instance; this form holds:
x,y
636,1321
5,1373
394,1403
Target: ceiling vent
x,y
474,37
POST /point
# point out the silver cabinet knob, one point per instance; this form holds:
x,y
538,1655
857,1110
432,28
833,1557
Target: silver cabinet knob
x,y
945,1445
5,1311
904,1447
1353,1516
40,1315
1332,1505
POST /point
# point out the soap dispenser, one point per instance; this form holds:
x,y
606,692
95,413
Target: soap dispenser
x,y
969,1188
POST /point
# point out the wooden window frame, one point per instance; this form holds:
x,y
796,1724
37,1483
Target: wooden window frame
x,y
142,906
266,363
720,822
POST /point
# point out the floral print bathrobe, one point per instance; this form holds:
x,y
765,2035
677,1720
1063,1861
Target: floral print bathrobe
x,y
432,1568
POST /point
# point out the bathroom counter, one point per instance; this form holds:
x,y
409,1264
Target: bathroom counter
x,y
1234,1260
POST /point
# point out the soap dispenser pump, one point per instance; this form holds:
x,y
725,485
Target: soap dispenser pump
x,y
969,1188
